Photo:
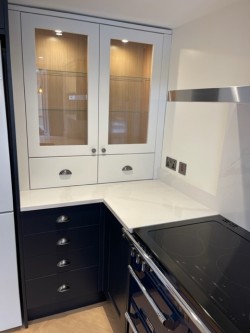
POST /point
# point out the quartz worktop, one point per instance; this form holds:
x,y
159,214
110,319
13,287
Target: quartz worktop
x,y
135,204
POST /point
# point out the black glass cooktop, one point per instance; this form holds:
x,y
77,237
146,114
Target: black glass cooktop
x,y
210,259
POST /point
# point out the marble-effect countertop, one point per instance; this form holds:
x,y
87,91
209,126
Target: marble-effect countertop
x,y
135,204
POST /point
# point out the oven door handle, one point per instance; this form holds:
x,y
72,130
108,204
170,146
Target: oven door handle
x,y
166,321
130,322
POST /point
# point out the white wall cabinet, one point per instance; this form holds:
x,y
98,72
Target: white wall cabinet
x,y
93,97
61,80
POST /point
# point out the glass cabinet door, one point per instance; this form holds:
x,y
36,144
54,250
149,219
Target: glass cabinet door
x,y
61,82
129,89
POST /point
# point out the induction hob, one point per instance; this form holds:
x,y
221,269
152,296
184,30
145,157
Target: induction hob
x,y
208,258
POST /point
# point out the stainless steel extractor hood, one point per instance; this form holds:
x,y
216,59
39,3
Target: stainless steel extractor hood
x,y
224,95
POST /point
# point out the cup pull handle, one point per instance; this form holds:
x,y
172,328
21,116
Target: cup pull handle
x,y
63,241
127,168
63,288
63,263
65,172
62,219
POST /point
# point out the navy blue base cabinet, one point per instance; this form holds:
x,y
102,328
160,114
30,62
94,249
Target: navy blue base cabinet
x,y
116,276
72,257
62,258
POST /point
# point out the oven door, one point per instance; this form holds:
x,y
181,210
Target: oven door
x,y
150,307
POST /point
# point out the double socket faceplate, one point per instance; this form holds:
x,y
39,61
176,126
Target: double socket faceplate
x,y
171,163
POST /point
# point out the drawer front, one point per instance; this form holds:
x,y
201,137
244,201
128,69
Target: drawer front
x,y
60,218
45,172
113,168
61,287
60,241
51,264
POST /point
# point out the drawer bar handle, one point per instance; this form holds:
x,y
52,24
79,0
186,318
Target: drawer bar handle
x,y
127,168
130,322
63,263
63,288
157,311
65,172
63,241
62,219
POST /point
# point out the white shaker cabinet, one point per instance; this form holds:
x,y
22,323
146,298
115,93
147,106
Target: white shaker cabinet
x,y
130,67
61,81
95,97
130,81
60,63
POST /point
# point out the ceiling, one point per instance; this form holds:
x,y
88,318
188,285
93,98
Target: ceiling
x,y
165,13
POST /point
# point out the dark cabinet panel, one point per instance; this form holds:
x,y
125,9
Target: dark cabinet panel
x,y
116,273
3,3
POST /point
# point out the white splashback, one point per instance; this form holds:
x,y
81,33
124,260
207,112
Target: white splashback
x,y
194,134
234,182
212,138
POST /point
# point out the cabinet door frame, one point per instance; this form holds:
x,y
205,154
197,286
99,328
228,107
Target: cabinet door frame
x,y
157,40
29,23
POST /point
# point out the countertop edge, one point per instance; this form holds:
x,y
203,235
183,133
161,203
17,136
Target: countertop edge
x,y
134,204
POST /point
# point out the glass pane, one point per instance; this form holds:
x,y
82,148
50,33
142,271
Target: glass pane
x,y
130,80
61,62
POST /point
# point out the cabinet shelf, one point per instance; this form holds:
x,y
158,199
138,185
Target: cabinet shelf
x,y
129,78
51,72
129,112
62,110
111,111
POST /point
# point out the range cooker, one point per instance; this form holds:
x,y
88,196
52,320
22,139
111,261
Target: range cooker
x,y
190,277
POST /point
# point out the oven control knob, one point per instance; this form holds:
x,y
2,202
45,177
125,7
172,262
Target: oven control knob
x,y
132,252
144,266
138,259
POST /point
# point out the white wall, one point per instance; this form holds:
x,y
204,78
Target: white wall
x,y
212,138
213,51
